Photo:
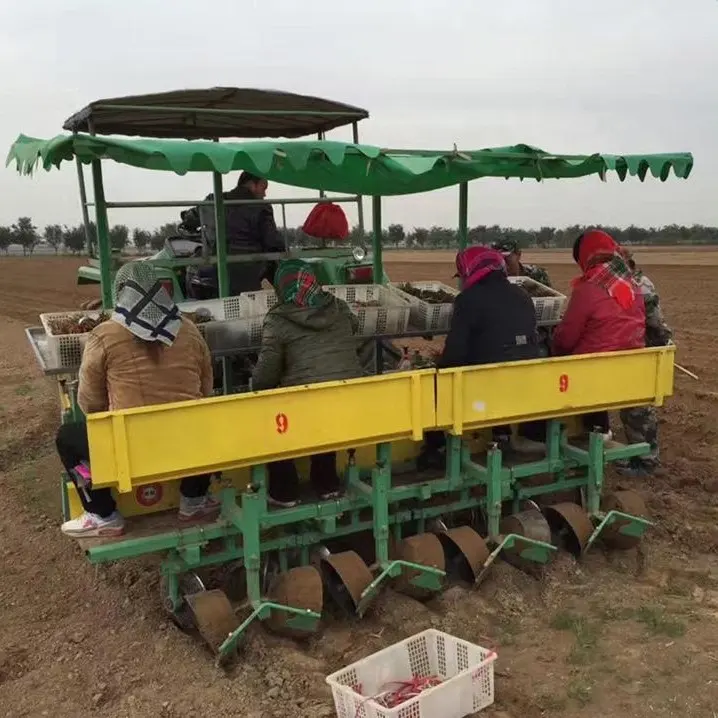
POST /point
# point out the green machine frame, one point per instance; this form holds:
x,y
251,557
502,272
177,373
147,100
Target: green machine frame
x,y
249,531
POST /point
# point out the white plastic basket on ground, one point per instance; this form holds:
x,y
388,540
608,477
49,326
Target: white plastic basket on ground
x,y
388,313
466,672
65,350
424,315
548,305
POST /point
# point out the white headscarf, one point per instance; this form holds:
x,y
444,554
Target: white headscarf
x,y
143,306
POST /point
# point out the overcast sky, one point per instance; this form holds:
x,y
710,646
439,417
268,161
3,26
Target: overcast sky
x,y
574,76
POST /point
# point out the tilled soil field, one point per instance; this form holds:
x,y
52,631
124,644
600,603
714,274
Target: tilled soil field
x,y
632,634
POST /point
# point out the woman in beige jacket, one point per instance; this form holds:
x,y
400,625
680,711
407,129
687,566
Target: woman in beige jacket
x,y
145,354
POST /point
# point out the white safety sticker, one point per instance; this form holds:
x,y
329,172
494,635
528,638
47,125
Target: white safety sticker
x,y
479,406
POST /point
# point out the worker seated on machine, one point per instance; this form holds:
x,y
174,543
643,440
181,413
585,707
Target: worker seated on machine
x,y
605,312
146,354
640,423
511,253
308,336
250,229
493,321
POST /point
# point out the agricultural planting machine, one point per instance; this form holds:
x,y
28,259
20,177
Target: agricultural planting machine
x,y
393,524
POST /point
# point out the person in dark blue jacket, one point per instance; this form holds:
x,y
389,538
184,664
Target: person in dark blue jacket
x,y
250,229
493,321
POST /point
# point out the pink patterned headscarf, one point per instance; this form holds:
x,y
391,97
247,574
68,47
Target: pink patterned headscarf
x,y
474,263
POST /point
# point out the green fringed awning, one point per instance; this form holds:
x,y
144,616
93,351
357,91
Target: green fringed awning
x,y
339,166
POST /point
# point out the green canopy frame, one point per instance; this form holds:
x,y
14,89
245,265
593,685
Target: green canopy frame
x,y
322,165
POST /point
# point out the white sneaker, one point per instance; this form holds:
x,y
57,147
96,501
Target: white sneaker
x,y
89,525
608,436
201,507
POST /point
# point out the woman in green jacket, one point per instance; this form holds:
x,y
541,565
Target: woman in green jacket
x,y
308,337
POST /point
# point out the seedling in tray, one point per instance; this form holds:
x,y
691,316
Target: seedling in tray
x,y
537,290
199,316
76,323
430,296
84,323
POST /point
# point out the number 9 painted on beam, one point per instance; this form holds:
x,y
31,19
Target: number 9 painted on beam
x,y
563,383
282,423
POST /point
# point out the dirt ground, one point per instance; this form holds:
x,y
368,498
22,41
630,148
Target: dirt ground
x,y
619,634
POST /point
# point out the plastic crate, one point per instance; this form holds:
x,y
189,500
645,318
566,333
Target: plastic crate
x,y
424,315
392,317
465,669
548,309
65,350
220,309
232,326
233,334
257,304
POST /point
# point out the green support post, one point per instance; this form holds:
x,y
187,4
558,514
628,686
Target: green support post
x,y
378,265
254,506
429,577
103,235
220,223
173,599
528,549
494,461
253,512
351,472
463,215
454,446
381,485
595,473
83,205
554,432
360,199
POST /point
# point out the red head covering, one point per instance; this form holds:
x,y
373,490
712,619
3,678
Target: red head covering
x,y
595,242
602,263
326,221
474,263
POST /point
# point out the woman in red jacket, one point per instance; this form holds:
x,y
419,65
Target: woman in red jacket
x,y
606,312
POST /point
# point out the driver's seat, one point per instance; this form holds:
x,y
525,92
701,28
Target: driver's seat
x,y
201,281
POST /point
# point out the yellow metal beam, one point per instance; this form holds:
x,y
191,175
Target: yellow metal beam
x,y
160,443
493,394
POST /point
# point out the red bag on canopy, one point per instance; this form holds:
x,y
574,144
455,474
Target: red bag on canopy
x,y
326,221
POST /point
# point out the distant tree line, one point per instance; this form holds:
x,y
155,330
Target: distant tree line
x,y
436,237
74,240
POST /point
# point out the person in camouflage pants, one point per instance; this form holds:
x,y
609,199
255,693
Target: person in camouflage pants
x,y
641,423
511,252
515,267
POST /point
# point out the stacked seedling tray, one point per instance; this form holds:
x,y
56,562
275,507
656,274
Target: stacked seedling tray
x,y
67,334
379,309
432,303
548,303
230,324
